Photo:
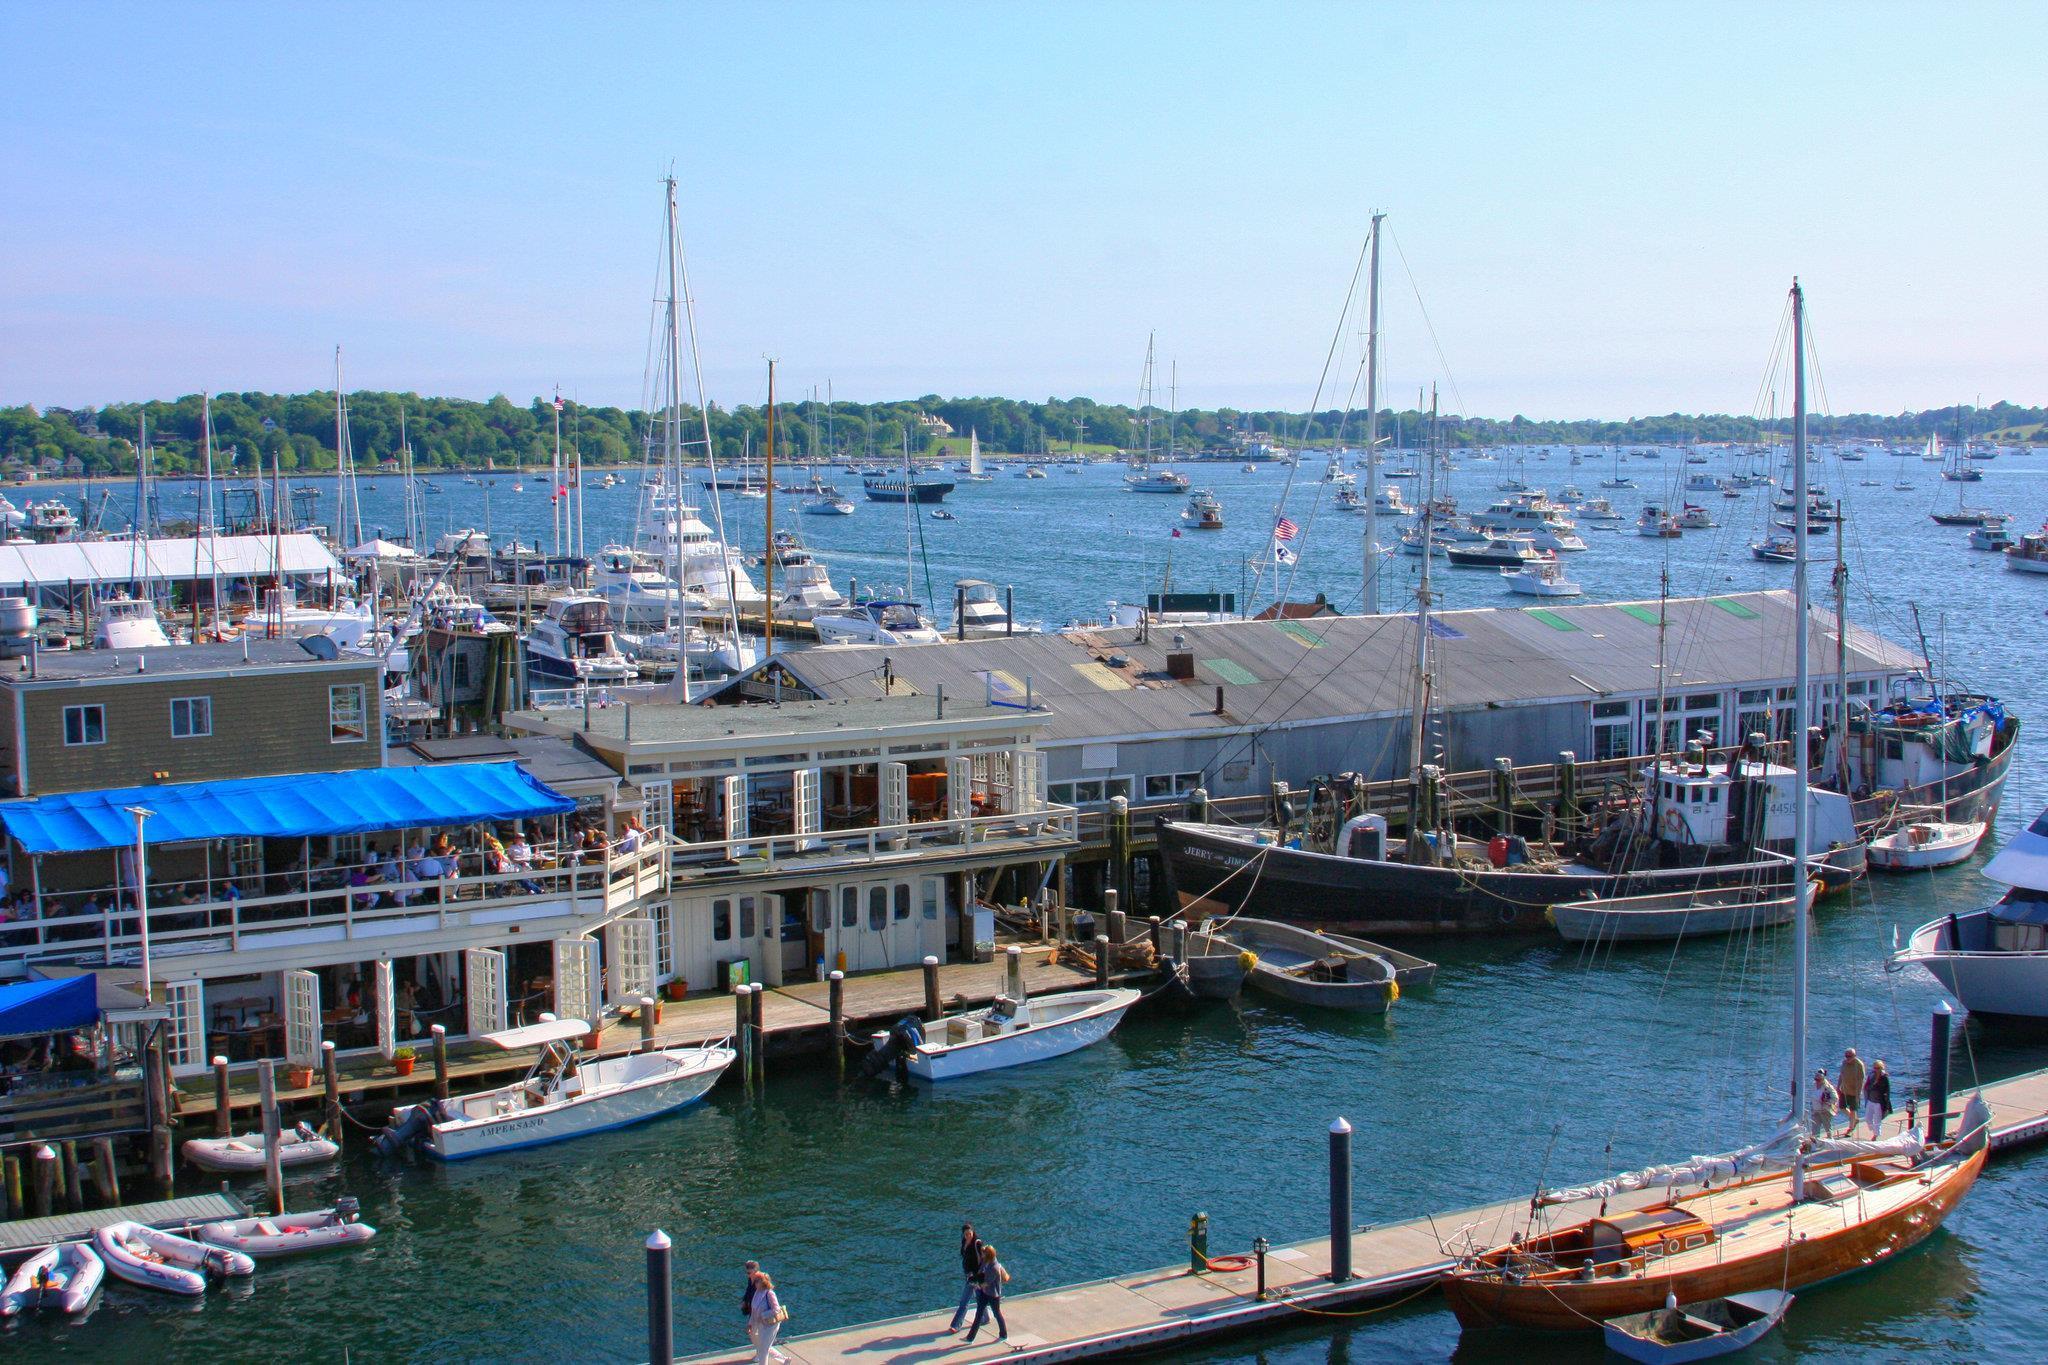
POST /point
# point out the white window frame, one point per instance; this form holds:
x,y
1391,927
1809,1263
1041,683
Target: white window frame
x,y
1106,787
191,706
336,731
1174,784
85,738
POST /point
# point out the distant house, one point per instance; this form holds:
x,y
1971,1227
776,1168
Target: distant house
x,y
1298,611
270,424
936,424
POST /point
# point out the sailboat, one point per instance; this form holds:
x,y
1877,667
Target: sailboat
x,y
1791,1210
975,473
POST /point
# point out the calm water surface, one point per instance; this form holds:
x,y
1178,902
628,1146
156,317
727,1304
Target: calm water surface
x,y
1527,1058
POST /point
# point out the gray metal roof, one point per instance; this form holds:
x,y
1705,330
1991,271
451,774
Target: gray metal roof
x,y
66,664
1347,666
552,759
672,723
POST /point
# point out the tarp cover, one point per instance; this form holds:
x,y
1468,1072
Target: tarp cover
x,y
2024,861
30,1007
295,806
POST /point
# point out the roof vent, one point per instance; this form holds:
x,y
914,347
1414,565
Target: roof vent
x,y
1180,667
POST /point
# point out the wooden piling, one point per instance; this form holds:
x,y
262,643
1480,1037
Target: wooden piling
x,y
740,1040
10,1172
273,1169
222,1118
161,1169
931,989
757,1011
1102,951
74,1183
647,1023
42,1195
835,996
1157,931
440,1037
330,1086
106,1175
1504,796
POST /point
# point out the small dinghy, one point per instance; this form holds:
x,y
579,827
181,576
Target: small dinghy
x,y
1008,1033
1696,1331
1309,968
1411,973
1215,970
1926,844
164,1260
243,1155
62,1277
291,1233
1672,914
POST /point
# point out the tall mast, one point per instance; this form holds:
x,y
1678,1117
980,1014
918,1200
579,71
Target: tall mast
x,y
1800,711
674,437
555,490
1371,600
340,458
1422,603
768,559
1841,717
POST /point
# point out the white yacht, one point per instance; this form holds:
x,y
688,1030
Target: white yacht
x,y
1541,578
876,622
1598,509
347,622
573,644
828,505
633,585
468,542
713,574
803,589
979,611
128,623
1337,475
1160,481
1995,960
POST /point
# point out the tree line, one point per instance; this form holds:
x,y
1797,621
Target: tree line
x,y
297,431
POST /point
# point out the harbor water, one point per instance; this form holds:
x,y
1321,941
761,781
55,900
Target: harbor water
x,y
1529,1060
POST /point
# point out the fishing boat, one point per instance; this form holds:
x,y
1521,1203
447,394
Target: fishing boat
x,y
1013,1032
1307,968
1411,973
290,1234
1795,1208
1925,844
562,1096
243,1155
2031,554
1673,915
1677,1333
1991,535
63,1277
1213,969
1541,578
1774,549
163,1260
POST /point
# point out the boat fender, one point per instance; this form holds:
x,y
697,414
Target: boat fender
x,y
1248,959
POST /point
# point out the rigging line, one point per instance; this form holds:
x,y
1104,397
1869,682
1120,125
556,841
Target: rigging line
x,y
1427,325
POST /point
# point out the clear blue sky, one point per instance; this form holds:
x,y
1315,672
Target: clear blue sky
x,y
1601,204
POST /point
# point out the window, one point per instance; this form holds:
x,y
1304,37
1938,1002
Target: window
x,y
849,907
721,920
902,901
1753,696
85,725
878,907
1163,785
191,717
1090,791
664,952
931,898
1703,701
747,926
347,717
1611,740
1610,710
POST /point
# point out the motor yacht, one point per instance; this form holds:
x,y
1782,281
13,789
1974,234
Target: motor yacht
x,y
573,644
876,622
634,587
979,611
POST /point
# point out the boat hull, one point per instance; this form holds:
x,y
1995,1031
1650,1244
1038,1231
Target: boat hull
x,y
576,1118
1685,917
1024,1046
62,1277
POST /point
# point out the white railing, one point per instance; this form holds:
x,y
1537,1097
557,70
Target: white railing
x,y
229,921
871,842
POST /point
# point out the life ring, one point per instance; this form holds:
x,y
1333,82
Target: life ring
x,y
1674,823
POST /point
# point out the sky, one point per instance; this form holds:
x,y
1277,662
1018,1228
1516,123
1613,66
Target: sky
x,y
1593,210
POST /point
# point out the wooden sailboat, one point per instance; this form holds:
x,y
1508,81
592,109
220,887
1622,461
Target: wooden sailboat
x,y
1793,1210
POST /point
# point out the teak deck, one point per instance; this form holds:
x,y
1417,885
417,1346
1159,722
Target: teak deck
x,y
1154,1309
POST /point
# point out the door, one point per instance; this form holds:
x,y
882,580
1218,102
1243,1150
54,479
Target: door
x,y
385,1002
736,814
245,864
302,1018
807,813
1028,786
895,811
696,956
960,785
575,969
635,976
483,976
185,1035
660,815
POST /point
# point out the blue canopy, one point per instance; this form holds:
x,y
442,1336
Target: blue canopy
x,y
291,807
30,1007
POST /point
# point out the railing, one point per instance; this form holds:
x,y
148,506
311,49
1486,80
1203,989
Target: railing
x,y
375,909
872,842
88,1108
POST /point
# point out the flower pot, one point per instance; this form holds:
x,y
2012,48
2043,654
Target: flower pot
x,y
675,989
593,1040
405,1065
298,1077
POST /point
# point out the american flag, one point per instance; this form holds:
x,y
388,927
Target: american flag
x,y
1284,530
558,402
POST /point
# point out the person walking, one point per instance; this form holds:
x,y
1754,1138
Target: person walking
x,y
1824,1104
988,1295
765,1319
1877,1098
970,1271
1849,1086
751,1270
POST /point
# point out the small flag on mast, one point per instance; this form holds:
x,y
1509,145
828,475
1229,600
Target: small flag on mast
x,y
1284,530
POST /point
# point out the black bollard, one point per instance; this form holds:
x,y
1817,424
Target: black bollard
x,y
661,1308
1937,1074
1340,1201
1102,961
1260,1246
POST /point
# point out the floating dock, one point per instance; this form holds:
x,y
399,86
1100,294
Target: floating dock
x,y
1156,1309
30,1234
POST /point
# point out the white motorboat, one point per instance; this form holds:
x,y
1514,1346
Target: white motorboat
x,y
2030,555
63,1277
979,612
572,643
1995,960
635,588
1926,844
1656,524
289,1234
1693,517
300,1146
345,621
466,543
877,623
561,1097
1012,1033
830,505
1541,578
1163,481
128,623
163,1260
804,589
1991,535
1598,509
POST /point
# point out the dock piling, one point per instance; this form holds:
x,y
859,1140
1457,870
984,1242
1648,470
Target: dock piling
x,y
1260,1246
106,1176
1102,961
835,995
757,1007
42,1188
1198,1244
739,1029
1340,1201
161,1169
1153,924
440,1036
330,1086
1937,1073
222,1120
647,1023
661,1334
1119,926
931,990
74,1184
10,1172
273,1169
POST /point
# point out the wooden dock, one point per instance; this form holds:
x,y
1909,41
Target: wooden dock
x,y
1155,1309
28,1234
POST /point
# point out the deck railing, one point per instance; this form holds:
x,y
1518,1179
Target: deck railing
x,y
823,848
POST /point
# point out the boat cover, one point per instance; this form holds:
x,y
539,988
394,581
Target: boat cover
x,y
1774,1153
2024,861
297,805
34,1007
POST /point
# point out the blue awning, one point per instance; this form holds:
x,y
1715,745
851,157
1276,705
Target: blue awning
x,y
30,1007
292,807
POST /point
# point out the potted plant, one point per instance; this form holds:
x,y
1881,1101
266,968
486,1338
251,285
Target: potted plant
x,y
298,1077
403,1059
675,988
594,1039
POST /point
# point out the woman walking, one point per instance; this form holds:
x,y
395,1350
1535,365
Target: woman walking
x,y
988,1294
765,1319
1877,1098
970,1272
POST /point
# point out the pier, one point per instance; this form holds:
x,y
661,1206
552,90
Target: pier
x,y
1390,1264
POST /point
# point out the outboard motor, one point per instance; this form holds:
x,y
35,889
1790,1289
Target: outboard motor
x,y
894,1048
407,1132
347,1209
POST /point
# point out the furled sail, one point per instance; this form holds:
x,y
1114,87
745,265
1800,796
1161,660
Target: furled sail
x,y
1774,1153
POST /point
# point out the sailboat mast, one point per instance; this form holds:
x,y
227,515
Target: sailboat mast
x,y
340,458
1422,604
1371,584
555,490
1841,719
768,510
1800,703
674,437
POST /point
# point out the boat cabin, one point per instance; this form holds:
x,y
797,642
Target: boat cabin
x,y
1647,1232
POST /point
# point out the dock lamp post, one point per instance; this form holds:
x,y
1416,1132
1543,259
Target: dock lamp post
x,y
142,813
